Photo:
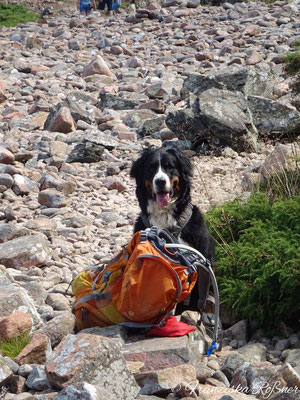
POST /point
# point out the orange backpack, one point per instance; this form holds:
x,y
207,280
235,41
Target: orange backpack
x,y
141,285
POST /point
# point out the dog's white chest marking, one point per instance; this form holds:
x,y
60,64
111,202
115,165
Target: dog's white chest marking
x,y
161,216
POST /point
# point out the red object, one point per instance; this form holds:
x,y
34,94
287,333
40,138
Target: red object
x,y
172,328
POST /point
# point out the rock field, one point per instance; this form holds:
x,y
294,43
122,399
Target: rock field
x,y
79,98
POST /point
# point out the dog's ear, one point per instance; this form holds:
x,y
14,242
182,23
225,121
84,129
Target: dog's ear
x,y
137,167
183,161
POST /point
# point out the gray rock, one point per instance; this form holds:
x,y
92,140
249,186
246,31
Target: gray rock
x,y
58,301
52,198
220,376
5,372
151,126
12,231
24,185
253,379
273,118
116,333
239,332
58,327
86,152
83,391
37,379
25,370
115,102
6,180
220,116
254,352
232,363
292,357
282,345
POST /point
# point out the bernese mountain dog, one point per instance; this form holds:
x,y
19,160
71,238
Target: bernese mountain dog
x,y
163,185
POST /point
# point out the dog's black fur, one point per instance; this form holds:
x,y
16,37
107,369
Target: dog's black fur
x,y
177,167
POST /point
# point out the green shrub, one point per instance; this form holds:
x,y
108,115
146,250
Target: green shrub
x,y
292,61
296,43
258,257
12,347
14,14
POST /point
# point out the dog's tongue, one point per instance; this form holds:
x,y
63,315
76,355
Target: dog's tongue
x,y
162,199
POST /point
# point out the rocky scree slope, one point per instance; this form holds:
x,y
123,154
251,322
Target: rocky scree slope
x,y
79,98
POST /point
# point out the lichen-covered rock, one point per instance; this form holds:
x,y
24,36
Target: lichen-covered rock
x,y
219,116
250,81
274,119
86,152
108,100
92,359
24,252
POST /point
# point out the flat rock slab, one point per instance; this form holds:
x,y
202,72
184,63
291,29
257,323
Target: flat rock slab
x,y
157,353
24,252
92,359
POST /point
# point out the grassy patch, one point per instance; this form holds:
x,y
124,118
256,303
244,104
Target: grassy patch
x,y
12,347
292,61
14,14
296,43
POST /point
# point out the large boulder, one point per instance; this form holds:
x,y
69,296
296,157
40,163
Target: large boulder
x,y
274,119
219,116
92,359
249,81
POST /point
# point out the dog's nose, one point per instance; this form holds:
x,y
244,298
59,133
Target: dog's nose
x,y
160,183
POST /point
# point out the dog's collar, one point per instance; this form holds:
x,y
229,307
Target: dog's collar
x,y
181,222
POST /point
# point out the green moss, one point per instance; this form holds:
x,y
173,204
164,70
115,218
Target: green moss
x,y
14,14
258,257
12,347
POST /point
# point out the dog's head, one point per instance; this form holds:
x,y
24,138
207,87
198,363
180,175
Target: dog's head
x,y
162,175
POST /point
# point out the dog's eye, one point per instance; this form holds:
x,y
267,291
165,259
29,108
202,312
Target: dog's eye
x,y
167,165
